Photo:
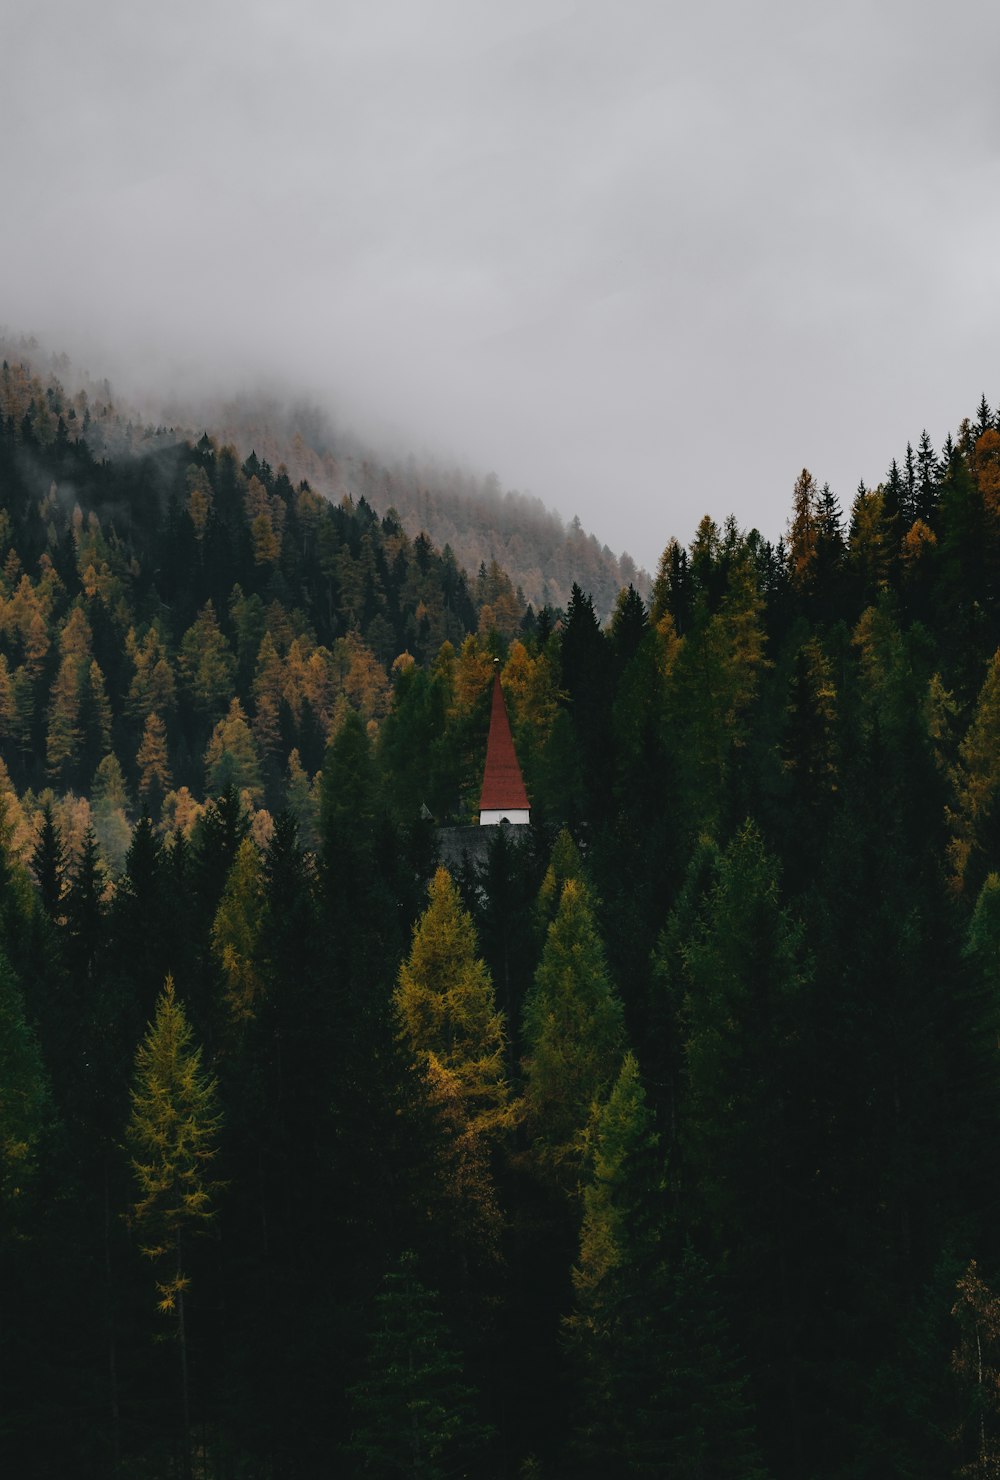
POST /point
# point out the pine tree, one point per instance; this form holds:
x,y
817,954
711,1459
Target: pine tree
x,y
302,800
975,813
810,757
713,684
85,913
231,758
414,1417
871,547
741,1139
660,1389
24,1097
502,899
207,665
629,625
564,863
448,1020
95,719
447,1009
584,656
803,531
623,1226
109,804
154,764
693,1416
574,1038
172,1134
236,933
49,864
927,479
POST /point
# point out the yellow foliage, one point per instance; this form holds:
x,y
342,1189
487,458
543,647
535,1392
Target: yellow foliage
x,y
362,678
917,541
180,810
266,546
530,690
669,643
199,500
987,467
152,759
976,777
473,675
447,1011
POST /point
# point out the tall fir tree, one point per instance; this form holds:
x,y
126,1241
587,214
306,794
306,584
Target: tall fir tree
x,y
173,1135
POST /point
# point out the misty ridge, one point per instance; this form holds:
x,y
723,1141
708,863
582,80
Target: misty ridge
x,y
722,1021
469,513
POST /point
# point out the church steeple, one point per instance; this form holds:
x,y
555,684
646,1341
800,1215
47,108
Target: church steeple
x,y
503,796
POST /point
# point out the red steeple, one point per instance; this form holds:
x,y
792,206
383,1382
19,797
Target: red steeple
x,y
503,785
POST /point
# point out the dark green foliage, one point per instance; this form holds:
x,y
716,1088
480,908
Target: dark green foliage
x,y
573,1038
694,1416
413,1416
49,864
776,883
24,1100
503,895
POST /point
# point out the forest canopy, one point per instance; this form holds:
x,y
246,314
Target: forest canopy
x,y
659,1137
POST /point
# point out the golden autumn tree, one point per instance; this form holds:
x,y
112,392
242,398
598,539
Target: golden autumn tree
x,y
447,1008
533,696
236,932
231,758
803,531
154,764
65,732
987,468
173,1134
199,500
976,786
8,709
448,1017
207,665
152,687
268,694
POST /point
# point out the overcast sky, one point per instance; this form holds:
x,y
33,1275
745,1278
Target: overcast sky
x,y
645,260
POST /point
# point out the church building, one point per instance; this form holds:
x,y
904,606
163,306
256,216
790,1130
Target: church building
x,y
503,798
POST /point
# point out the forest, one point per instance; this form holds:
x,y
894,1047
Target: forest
x,y
662,1141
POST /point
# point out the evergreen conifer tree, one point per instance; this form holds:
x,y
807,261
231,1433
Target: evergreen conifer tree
x,y
574,1038
24,1097
414,1416
49,864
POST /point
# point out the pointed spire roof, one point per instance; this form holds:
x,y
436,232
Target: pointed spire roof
x,y
503,785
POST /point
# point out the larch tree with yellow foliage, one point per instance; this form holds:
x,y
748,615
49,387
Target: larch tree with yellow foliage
x,y
153,761
236,932
447,1009
173,1140
448,1018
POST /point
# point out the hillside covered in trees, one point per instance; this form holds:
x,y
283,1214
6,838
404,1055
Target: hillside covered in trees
x,y
470,515
664,1143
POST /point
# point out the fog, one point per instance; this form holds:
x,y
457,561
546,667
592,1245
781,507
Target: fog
x,y
644,261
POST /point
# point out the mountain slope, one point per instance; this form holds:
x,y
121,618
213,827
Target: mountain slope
x,y
471,515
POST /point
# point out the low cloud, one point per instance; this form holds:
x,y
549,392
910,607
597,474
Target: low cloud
x,y
644,265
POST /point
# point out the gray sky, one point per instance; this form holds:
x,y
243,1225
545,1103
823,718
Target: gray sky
x,y
644,260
